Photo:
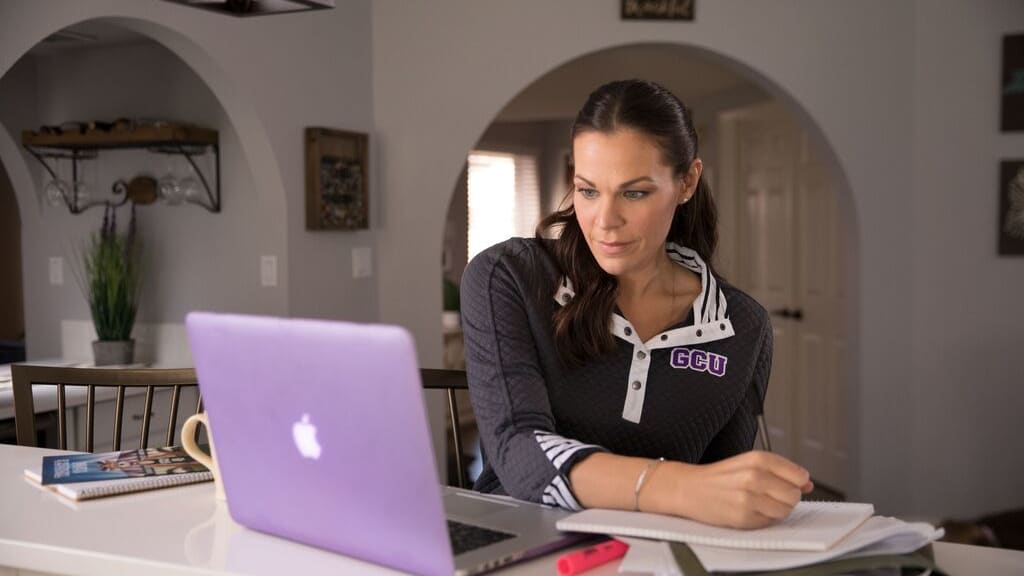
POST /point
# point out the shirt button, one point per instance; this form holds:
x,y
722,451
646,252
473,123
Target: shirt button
x,y
628,331
664,337
566,298
721,327
641,355
700,333
636,385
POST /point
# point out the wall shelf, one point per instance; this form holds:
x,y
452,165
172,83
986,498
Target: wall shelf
x,y
50,145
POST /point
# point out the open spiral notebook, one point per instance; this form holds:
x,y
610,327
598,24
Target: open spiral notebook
x,y
811,526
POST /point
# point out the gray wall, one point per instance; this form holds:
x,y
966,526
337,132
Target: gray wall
x,y
966,304
20,104
936,383
193,259
235,77
860,97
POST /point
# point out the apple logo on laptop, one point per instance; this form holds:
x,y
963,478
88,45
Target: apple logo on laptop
x,y
304,434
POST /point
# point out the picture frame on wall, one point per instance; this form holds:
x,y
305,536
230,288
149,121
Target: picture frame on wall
x,y
1012,86
1011,208
336,180
657,9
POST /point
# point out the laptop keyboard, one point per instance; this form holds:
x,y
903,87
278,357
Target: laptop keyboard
x,y
466,537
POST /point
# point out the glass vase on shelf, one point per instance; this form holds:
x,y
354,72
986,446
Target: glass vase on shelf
x,y
169,188
56,190
82,187
191,189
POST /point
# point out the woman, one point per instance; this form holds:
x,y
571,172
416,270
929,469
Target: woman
x,y
610,367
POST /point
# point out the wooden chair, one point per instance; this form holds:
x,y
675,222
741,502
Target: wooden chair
x,y
450,381
25,377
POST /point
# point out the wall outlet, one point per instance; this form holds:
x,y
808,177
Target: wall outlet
x,y
268,271
362,262
56,271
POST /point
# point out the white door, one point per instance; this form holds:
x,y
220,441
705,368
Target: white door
x,y
781,217
765,159
821,343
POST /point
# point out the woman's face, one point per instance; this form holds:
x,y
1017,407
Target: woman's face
x,y
625,198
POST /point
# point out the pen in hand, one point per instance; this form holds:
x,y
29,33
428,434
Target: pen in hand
x,y
587,558
762,430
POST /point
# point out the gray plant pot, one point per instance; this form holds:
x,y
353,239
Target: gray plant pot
x,y
108,352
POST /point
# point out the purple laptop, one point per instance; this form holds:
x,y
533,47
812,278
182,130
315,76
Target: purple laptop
x,y
322,438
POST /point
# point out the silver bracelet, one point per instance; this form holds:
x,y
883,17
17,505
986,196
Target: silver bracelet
x,y
640,482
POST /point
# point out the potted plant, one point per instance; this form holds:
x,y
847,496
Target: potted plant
x,y
113,282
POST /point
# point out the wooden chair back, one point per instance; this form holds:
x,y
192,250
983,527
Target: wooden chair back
x,y
26,377
450,381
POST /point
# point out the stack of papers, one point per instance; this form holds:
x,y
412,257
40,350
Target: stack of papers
x,y
878,536
814,532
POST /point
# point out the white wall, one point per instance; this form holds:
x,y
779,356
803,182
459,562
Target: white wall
x,y
193,259
967,307
873,78
490,57
20,102
851,68
271,77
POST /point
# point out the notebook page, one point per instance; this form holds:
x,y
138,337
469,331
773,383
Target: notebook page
x,y
812,526
877,536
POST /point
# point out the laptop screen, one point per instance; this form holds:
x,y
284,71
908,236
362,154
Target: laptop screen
x,y
321,435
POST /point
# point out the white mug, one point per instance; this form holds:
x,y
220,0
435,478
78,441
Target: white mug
x,y
188,441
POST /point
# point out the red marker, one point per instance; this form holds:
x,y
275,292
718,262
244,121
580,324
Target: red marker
x,y
581,560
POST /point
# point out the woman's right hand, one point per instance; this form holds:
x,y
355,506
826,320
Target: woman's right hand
x,y
750,490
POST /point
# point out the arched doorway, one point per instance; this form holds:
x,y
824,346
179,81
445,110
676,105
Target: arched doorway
x,y
12,314
810,406
133,68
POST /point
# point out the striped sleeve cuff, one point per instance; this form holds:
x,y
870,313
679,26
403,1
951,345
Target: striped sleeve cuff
x,y
563,454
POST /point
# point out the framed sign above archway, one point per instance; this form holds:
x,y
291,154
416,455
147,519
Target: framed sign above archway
x,y
661,10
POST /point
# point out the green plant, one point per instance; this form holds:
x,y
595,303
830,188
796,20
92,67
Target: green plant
x,y
450,296
113,277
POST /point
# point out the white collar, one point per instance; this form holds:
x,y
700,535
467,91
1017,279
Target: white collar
x,y
711,302
710,309
710,305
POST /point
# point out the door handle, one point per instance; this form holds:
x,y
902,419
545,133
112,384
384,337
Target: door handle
x,y
793,313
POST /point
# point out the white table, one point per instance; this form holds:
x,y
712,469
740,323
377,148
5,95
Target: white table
x,y
184,531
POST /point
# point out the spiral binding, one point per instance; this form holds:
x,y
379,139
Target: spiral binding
x,y
115,487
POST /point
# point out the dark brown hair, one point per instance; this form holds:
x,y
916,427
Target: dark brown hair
x,y
582,325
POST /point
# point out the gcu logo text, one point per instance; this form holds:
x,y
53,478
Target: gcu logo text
x,y
699,361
